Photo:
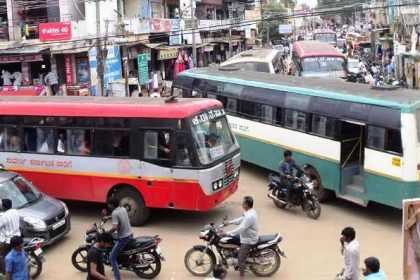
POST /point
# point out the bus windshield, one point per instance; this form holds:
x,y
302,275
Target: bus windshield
x,y
322,64
212,136
326,37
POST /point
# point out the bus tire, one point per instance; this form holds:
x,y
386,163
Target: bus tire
x,y
320,192
134,203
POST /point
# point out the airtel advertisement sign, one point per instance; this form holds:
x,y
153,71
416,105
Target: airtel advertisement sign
x,y
55,31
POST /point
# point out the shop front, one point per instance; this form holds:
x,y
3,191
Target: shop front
x,y
23,71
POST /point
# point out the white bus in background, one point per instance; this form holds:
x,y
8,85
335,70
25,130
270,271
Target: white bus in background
x,y
257,60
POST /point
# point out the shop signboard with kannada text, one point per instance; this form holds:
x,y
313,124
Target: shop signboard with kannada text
x,y
143,69
175,35
68,65
167,54
113,70
55,31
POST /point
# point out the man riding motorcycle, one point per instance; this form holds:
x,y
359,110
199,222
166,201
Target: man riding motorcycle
x,y
286,167
248,232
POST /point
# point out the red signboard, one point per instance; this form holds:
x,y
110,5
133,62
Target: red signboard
x,y
160,25
55,31
69,69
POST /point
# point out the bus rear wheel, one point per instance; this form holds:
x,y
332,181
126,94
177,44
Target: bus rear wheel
x,y
134,203
320,192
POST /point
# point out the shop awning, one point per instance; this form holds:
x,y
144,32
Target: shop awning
x,y
22,54
24,50
153,45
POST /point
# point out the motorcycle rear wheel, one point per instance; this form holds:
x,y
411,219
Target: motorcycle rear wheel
x,y
79,259
207,258
154,272
259,270
34,265
312,209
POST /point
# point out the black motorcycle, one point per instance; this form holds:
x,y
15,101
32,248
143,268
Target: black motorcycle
x,y
34,256
142,255
263,259
302,194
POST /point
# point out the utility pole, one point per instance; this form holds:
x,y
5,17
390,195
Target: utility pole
x,y
99,59
193,32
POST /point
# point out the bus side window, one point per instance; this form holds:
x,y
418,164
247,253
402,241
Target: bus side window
x,y
323,126
278,116
12,139
182,153
393,141
111,143
157,145
295,119
266,114
78,141
232,106
2,138
376,137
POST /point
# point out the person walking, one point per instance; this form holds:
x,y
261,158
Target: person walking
x,y
121,225
350,249
372,270
95,257
51,79
9,227
16,266
247,231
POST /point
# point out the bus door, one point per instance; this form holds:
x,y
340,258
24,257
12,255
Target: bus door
x,y
352,159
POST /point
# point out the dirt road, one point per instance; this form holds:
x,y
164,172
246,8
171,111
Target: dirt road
x,y
312,247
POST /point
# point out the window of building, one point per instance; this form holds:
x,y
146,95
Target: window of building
x,y
295,120
323,126
78,141
111,143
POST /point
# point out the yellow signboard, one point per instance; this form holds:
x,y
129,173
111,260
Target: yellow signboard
x,y
396,161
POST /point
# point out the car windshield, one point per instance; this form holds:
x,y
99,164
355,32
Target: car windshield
x,y
326,37
212,136
19,191
322,64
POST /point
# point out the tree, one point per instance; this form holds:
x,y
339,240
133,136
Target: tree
x,y
273,15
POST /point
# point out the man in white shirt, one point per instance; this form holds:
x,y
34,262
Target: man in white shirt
x,y
9,227
350,249
248,232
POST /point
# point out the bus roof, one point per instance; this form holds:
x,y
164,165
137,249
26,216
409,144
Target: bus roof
x,y
255,55
68,106
315,48
404,99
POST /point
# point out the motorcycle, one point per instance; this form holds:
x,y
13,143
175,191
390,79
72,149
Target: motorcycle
x,y
34,256
263,259
142,255
302,194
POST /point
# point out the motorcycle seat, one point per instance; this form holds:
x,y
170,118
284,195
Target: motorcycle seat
x,y
267,238
140,242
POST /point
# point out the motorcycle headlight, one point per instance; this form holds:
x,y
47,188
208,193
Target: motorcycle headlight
x,y
66,209
35,223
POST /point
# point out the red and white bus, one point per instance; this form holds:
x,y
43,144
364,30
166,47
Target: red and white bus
x,y
150,153
318,59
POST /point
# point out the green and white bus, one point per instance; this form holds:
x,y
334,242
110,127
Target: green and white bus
x,y
359,143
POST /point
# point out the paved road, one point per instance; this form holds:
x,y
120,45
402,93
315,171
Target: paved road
x,y
312,246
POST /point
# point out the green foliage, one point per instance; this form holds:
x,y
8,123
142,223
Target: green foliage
x,y
273,15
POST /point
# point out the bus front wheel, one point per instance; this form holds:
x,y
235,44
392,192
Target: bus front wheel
x,y
320,192
134,203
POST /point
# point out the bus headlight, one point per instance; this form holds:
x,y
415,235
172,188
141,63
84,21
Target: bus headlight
x,y
217,184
